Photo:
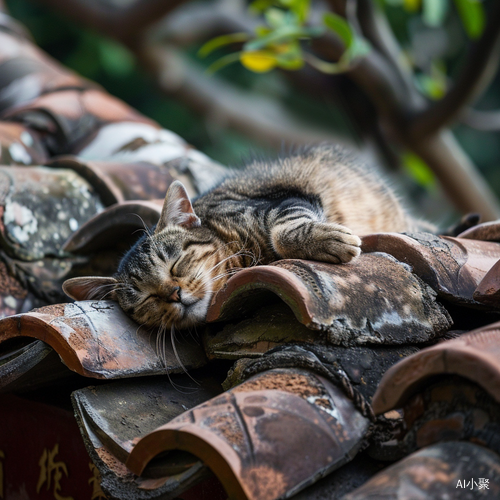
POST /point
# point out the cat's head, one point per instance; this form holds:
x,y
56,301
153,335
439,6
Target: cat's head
x,y
166,278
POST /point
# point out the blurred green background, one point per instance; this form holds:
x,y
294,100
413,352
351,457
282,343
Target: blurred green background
x,y
434,52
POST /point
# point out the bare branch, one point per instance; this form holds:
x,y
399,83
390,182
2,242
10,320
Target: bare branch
x,y
257,116
476,74
457,174
487,121
123,23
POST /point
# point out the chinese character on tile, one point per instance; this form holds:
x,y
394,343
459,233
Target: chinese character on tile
x,y
95,481
483,483
51,472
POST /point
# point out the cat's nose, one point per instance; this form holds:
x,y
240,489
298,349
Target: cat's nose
x,y
175,296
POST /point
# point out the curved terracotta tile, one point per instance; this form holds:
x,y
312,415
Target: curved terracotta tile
x,y
20,146
149,403
435,472
373,299
27,72
453,267
487,231
69,116
475,356
139,142
96,339
266,438
488,290
118,482
114,224
451,408
29,366
117,182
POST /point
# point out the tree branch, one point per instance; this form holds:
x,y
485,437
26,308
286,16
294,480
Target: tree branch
x,y
486,121
257,116
476,74
122,23
457,174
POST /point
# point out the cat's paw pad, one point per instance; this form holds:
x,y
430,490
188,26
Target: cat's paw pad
x,y
335,243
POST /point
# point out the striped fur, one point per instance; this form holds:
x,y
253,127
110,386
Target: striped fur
x,y
310,205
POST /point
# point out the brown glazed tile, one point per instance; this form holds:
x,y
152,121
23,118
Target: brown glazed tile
x,y
118,182
475,355
116,223
96,339
374,299
20,146
487,231
453,267
266,438
488,290
435,472
40,208
69,116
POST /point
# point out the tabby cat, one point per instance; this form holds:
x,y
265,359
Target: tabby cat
x,y
310,205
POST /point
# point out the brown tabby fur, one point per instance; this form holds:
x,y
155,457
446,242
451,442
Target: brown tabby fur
x,y
311,205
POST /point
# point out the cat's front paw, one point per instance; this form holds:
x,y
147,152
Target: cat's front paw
x,y
334,243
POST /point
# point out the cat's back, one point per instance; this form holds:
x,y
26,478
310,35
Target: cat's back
x,y
350,192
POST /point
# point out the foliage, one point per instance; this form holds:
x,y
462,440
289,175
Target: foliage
x,y
278,43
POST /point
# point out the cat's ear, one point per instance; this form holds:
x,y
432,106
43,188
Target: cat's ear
x,y
90,288
177,209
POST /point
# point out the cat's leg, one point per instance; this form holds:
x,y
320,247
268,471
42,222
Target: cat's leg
x,y
299,233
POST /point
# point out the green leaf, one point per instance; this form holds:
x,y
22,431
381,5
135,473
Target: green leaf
x,y
281,35
223,62
275,18
359,48
221,41
419,170
434,12
339,26
472,15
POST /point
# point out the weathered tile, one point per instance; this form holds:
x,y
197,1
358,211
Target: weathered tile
x,y
265,328
138,142
96,339
116,182
343,480
28,365
374,299
363,367
475,355
114,224
266,438
453,267
27,72
445,470
20,146
487,231
124,411
450,408
488,290
41,207
118,482
68,116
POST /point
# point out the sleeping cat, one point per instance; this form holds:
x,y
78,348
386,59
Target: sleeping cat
x,y
310,205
